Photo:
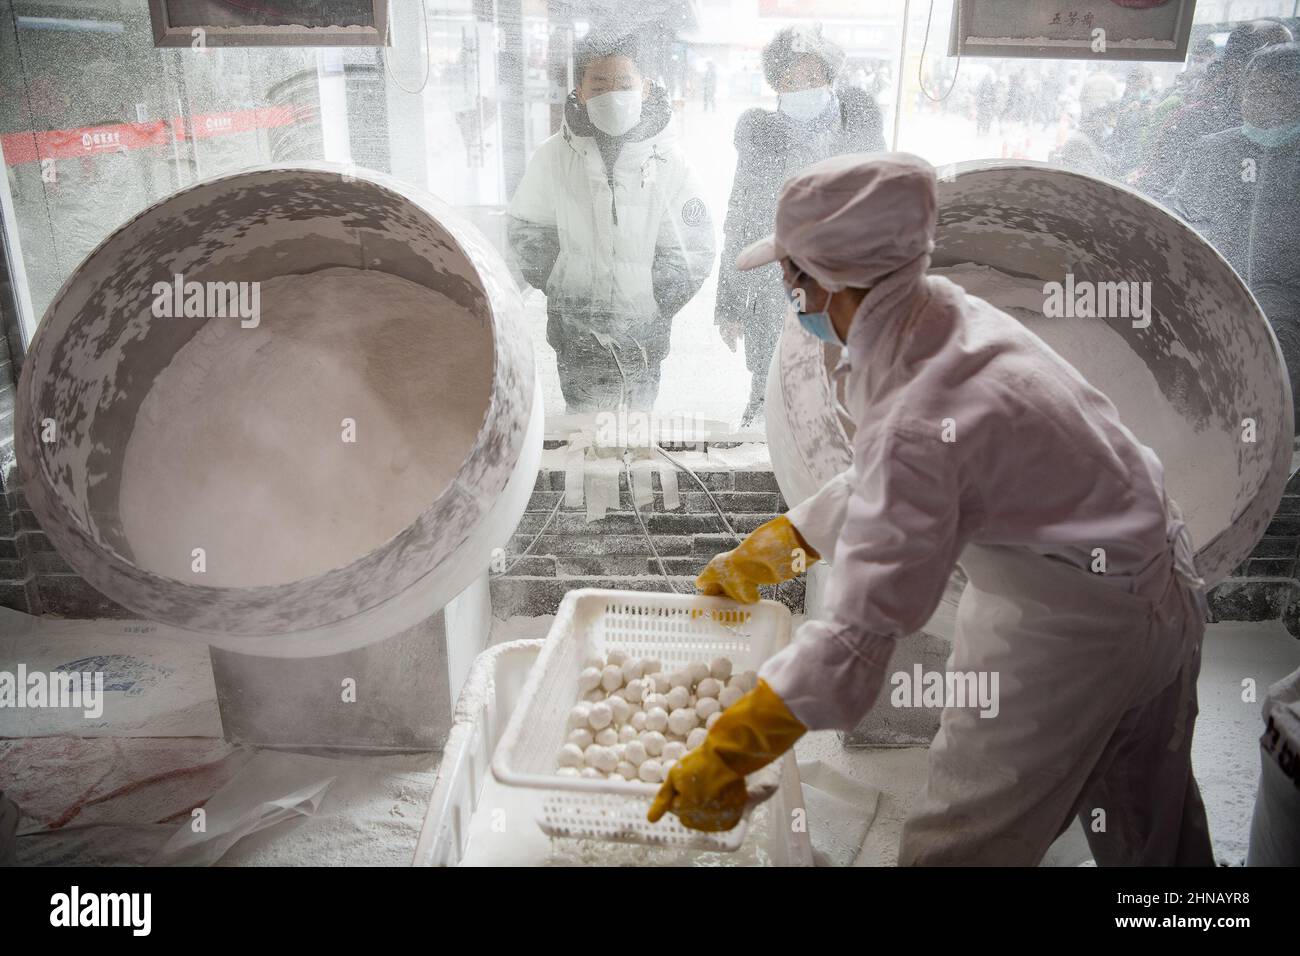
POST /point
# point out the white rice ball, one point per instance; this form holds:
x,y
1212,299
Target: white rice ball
x,y
632,670
652,665
654,742
634,690
705,707
626,770
589,679
595,662
571,755
661,682
666,766
621,708
720,668
748,680
680,678
657,700
594,696
567,772
579,714
634,752
674,750
602,758
656,719
601,716
607,737
581,737
651,771
698,671
627,732
591,773
678,697
638,720
709,687
682,721
712,719
612,678
729,696
695,738
617,658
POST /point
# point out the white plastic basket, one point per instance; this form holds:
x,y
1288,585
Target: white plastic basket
x,y
675,628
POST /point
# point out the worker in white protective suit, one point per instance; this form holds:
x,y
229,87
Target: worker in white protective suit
x,y
975,444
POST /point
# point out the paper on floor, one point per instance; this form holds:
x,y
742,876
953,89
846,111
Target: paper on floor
x,y
840,812
105,801
272,787
156,682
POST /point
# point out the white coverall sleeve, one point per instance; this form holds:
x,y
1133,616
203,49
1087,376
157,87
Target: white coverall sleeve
x,y
897,547
819,519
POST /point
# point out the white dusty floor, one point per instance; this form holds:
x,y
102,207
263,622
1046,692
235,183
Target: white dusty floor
x,y
125,794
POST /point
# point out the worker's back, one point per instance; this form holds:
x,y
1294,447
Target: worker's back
x,y
1042,458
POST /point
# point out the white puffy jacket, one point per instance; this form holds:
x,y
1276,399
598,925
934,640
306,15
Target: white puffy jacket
x,y
617,252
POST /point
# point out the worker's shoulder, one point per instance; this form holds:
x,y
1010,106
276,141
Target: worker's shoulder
x,y
988,363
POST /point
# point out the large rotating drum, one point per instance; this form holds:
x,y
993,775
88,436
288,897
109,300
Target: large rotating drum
x,y
1208,347
441,400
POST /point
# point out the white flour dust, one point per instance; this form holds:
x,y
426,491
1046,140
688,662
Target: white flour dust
x,y
1201,469
239,448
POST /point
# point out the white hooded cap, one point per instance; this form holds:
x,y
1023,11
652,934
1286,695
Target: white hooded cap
x,y
851,220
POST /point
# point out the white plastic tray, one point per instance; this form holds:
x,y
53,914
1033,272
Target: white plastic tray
x,y
460,826
676,628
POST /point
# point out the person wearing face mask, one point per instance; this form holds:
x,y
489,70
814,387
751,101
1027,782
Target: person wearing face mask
x,y
812,121
611,223
1084,150
1214,105
1132,115
1241,191
976,444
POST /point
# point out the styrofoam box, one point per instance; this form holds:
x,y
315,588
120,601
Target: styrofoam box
x,y
459,825
676,628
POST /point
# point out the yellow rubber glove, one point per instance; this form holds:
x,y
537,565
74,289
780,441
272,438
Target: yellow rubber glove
x,y
706,788
765,557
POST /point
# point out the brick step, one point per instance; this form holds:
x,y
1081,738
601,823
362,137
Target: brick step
x,y
717,479
1256,599
603,565
531,596
68,595
21,595
692,502
624,522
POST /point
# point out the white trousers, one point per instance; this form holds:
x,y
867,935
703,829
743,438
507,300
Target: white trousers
x,y
1097,706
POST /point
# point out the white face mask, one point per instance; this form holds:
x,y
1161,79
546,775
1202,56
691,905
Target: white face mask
x,y
806,105
615,113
